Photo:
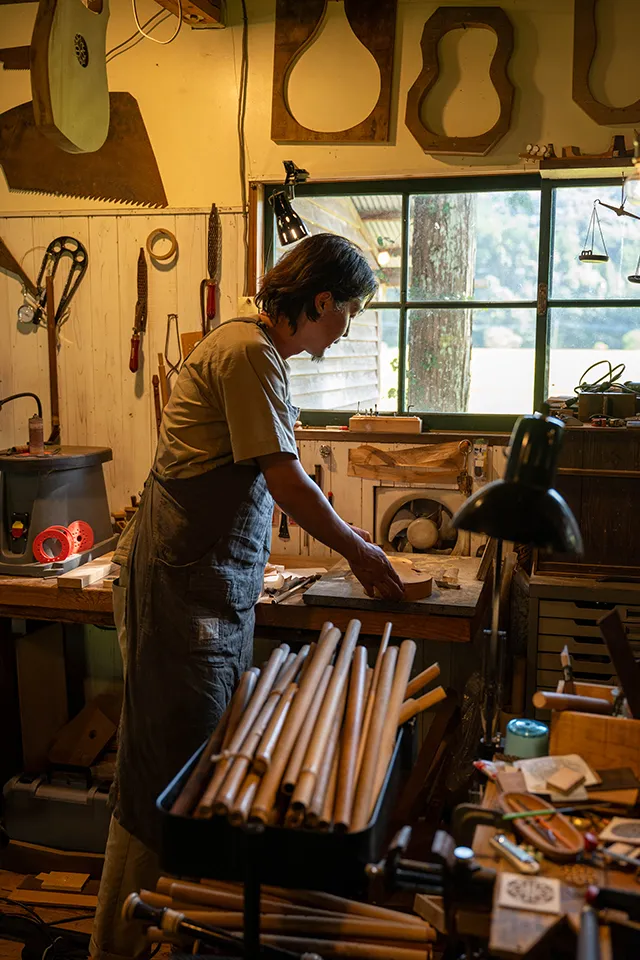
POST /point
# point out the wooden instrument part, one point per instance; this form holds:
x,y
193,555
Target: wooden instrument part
x,y
569,840
415,685
585,42
440,23
417,583
546,700
69,73
296,25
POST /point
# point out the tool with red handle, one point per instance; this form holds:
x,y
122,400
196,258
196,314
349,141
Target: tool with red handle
x,y
209,287
140,320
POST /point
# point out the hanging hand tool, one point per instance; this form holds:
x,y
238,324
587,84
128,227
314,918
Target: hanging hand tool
x,y
32,310
52,342
155,380
140,321
209,287
9,263
173,369
164,383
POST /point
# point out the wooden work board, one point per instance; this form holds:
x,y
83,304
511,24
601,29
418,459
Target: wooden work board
x,y
339,588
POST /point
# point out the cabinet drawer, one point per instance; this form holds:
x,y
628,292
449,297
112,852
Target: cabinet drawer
x,y
579,628
591,610
577,645
596,667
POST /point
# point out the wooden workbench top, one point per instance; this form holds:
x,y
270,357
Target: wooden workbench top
x,y
42,599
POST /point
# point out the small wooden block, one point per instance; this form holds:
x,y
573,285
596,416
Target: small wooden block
x,y
565,780
88,573
511,781
80,741
56,880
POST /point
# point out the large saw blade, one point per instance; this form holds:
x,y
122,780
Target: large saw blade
x,y
124,169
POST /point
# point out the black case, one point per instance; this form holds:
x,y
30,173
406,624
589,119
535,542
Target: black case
x,y
303,859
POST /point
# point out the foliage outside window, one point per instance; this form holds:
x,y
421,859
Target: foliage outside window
x,y
457,332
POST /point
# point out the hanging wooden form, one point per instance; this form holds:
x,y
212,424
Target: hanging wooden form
x,y
437,26
585,42
69,73
297,22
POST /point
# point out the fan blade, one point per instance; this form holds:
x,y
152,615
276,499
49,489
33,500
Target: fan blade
x,y
397,527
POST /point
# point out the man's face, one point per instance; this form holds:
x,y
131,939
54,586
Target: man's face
x,y
332,324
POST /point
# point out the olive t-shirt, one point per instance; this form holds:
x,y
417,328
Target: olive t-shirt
x,y
230,404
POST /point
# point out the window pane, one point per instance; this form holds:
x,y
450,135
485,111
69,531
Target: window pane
x,y
572,279
373,222
467,360
580,337
474,246
362,369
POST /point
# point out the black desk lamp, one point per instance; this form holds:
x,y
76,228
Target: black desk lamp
x,y
289,225
523,508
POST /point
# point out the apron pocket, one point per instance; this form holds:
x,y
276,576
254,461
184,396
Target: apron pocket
x,y
214,639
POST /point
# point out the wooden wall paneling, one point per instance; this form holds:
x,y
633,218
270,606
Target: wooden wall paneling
x,y
309,457
106,426
296,25
135,447
191,233
75,356
440,23
30,352
585,42
163,299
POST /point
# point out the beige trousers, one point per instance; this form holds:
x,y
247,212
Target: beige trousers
x,y
129,866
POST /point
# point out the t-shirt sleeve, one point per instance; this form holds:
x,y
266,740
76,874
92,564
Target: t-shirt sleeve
x,y
255,396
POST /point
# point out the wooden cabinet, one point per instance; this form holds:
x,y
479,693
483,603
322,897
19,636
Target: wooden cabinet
x,y
599,476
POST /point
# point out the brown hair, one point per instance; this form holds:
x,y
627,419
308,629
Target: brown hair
x,y
323,262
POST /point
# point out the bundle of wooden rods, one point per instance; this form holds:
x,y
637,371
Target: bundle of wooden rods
x,y
307,740
299,920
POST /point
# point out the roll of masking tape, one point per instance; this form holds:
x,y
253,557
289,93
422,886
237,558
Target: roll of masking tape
x,y
161,234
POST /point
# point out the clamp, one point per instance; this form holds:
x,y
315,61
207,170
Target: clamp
x,y
32,310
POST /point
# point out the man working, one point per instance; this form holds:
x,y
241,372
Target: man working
x,y
193,561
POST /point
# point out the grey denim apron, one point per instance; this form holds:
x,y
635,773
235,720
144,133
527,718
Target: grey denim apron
x,y
196,571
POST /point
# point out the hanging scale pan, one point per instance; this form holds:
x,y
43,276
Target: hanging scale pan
x,y
588,256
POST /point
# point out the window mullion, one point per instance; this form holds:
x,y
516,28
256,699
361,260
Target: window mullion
x,y
402,333
540,370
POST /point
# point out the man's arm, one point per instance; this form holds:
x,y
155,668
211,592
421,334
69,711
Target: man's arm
x,y
301,499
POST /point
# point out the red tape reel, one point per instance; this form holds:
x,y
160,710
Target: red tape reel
x,y
82,535
61,536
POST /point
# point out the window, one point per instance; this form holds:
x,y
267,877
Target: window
x,y
458,332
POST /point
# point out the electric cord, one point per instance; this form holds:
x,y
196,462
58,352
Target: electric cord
x,y
242,145
136,37
148,36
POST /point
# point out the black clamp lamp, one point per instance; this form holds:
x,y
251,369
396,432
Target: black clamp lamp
x,y
289,225
524,508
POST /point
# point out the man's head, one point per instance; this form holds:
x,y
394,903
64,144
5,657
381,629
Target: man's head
x,y
317,288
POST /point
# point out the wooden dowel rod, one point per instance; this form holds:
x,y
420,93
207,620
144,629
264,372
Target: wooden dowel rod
x,y
266,795
545,700
366,780
323,779
267,745
411,708
240,765
303,793
307,662
360,928
390,730
240,700
292,668
335,904
294,765
164,383
348,757
427,676
192,790
366,723
244,799
247,720
226,899
330,949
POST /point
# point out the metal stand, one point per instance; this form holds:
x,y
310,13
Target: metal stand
x,y
252,893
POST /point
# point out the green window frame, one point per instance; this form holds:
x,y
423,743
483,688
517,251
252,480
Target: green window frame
x,y
543,304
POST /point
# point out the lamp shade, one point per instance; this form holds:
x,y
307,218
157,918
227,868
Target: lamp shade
x,y
289,225
524,507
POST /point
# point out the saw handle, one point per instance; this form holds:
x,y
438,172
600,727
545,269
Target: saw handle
x,y
134,356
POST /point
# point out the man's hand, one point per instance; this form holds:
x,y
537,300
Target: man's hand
x,y
364,534
372,568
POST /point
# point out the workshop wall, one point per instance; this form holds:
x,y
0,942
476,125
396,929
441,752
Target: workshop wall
x,y
187,93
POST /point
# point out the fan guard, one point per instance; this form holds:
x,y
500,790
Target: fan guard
x,y
422,525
